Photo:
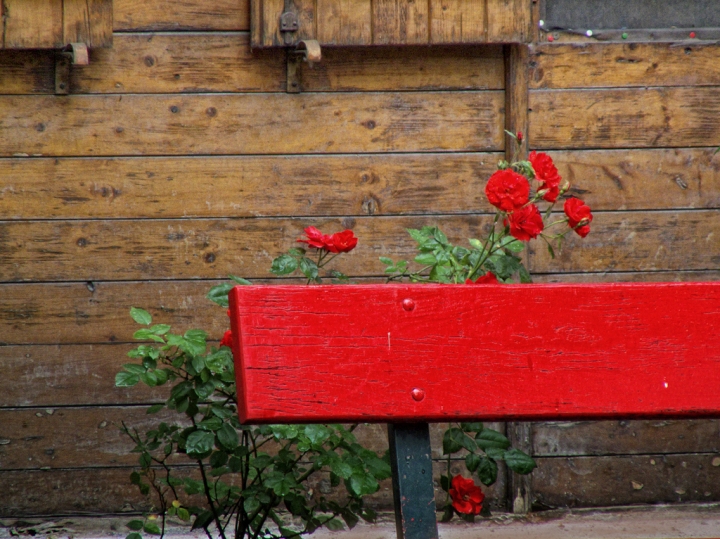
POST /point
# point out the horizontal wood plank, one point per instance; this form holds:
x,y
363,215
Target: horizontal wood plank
x,y
134,15
251,124
630,277
27,71
205,248
637,241
188,187
582,438
607,65
310,354
608,481
625,118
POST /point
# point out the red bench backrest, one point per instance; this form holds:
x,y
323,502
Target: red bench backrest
x,y
392,353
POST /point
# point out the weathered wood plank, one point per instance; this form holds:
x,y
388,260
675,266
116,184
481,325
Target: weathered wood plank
x,y
255,124
400,22
270,22
32,24
134,15
344,22
638,241
458,21
139,187
508,21
625,118
46,375
630,277
88,21
582,438
625,480
177,249
594,65
34,439
223,62
295,365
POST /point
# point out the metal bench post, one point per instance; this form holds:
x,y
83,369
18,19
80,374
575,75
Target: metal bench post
x,y
412,481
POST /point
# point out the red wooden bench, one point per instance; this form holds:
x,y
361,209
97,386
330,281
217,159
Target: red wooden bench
x,y
412,354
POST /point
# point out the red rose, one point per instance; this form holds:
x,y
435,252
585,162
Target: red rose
x,y
507,190
579,216
519,137
547,173
466,497
342,242
227,339
488,278
315,238
525,223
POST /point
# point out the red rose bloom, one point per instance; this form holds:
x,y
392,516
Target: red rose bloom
x,y
578,214
507,190
466,497
315,238
227,339
547,173
488,278
525,223
342,242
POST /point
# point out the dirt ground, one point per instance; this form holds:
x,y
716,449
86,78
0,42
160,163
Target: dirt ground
x,y
655,522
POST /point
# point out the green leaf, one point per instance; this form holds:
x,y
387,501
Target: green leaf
x,y
203,520
245,282
472,427
495,453
283,265
135,525
350,518
126,379
133,535
141,316
334,525
309,268
455,439
440,237
213,424
513,245
134,369
152,528
199,443
445,482
160,329
491,438
149,379
155,408
183,514
525,277
251,504
447,514
228,437
426,259
551,251
219,294
387,261
363,484
519,462
487,471
472,461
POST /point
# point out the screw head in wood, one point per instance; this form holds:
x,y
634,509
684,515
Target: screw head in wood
x,y
408,304
417,394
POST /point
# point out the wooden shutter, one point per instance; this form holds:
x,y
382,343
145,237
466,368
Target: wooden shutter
x,y
52,24
392,22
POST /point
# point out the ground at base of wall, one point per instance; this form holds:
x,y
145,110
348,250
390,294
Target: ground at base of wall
x,y
654,522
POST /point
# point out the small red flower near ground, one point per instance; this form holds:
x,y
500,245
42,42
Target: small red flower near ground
x,y
525,223
488,278
227,339
466,497
507,190
579,216
547,174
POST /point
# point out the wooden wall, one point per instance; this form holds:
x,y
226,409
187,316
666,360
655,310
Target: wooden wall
x,y
178,159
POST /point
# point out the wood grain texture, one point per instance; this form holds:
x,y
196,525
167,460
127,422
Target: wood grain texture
x,y
27,71
626,480
34,439
517,59
638,241
32,24
607,65
306,355
582,438
400,22
508,21
232,124
154,15
624,118
270,22
89,22
458,21
344,22
207,248
377,184
47,375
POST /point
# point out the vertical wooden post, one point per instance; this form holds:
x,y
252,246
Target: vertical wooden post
x,y
517,58
412,480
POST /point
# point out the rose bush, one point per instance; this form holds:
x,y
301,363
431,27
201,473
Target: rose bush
x,y
254,481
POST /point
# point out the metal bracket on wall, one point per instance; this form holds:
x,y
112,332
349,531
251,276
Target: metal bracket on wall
x,y
308,51
73,54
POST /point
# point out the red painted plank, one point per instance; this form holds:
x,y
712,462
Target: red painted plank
x,y
491,352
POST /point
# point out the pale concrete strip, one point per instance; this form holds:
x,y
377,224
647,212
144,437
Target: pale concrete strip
x,y
654,522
